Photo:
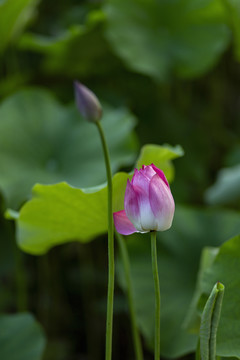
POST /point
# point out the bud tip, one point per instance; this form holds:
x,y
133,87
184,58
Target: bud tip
x,y
87,103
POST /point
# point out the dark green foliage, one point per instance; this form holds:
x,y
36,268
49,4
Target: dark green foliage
x,y
21,338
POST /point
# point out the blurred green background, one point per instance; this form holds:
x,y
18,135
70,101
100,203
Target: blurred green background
x,y
168,72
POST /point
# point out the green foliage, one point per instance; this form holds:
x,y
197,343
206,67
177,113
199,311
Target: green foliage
x,y
233,13
142,54
164,37
64,53
14,16
179,251
60,213
192,319
43,141
161,156
224,267
21,338
226,190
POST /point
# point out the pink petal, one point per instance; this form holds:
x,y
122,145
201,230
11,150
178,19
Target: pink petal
x,y
131,203
162,203
140,185
149,172
140,181
122,224
160,173
134,175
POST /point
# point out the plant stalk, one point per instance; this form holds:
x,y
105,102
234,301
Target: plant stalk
x,y
110,295
157,295
126,267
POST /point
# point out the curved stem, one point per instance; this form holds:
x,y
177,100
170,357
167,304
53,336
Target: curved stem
x,y
126,266
157,295
110,295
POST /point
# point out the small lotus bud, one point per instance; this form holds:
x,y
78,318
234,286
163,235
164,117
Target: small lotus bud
x,y
87,103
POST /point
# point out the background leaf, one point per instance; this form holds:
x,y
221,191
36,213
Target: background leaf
x,y
64,53
21,338
164,37
60,213
226,190
225,268
192,319
233,12
14,16
160,156
43,141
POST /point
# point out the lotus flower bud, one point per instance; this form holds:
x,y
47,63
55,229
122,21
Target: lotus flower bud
x,y
87,103
148,203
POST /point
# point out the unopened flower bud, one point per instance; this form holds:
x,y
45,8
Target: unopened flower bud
x,y
148,204
87,103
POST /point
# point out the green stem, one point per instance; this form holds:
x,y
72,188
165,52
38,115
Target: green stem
x,y
126,266
157,295
109,322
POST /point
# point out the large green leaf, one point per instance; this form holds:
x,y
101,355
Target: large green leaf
x,y
233,11
60,213
21,338
43,141
179,251
224,267
193,317
13,17
161,156
75,51
226,190
164,37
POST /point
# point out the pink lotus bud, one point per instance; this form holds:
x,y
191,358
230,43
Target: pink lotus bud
x,y
148,203
87,103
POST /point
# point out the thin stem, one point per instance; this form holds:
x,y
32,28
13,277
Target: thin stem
x,y
157,295
126,267
110,295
